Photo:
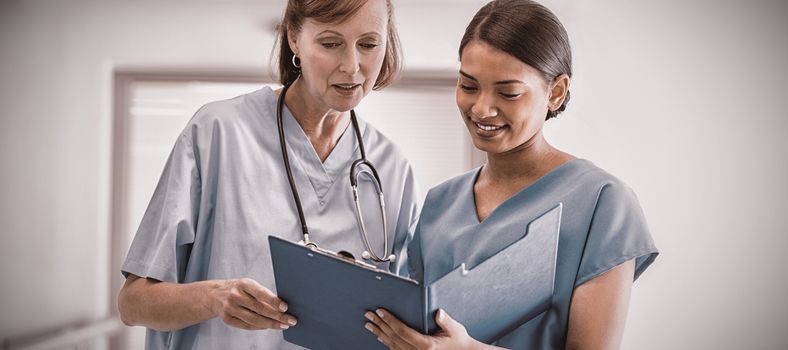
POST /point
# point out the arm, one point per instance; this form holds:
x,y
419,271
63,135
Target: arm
x,y
599,309
165,306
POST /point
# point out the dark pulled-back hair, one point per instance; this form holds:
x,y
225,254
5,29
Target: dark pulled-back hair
x,y
528,31
333,12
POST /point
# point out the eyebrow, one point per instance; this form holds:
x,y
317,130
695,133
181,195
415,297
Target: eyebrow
x,y
500,82
329,31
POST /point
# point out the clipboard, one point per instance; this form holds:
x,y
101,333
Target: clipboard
x,y
329,294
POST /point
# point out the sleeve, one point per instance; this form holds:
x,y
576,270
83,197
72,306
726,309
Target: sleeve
x,y
618,233
160,249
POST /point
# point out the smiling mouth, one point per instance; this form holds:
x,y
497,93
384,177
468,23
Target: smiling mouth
x,y
487,127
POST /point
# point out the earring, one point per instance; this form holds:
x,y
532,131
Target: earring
x,y
298,66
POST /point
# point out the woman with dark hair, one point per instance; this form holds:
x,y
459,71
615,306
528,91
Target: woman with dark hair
x,y
199,272
515,71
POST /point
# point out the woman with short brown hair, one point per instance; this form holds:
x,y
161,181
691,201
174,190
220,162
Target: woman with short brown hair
x,y
271,162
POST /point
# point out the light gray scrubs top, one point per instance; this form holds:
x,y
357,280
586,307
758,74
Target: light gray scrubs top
x,y
602,226
224,190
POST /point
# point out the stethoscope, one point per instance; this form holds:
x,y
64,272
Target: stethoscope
x,y
355,171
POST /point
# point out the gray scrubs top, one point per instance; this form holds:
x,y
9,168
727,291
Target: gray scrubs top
x,y
224,190
602,226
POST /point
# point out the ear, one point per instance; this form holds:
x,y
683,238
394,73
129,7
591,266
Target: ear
x,y
558,89
292,40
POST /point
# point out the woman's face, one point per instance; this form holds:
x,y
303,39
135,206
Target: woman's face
x,y
503,101
341,62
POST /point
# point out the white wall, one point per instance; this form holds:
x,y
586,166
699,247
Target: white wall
x,y
57,62
682,100
685,102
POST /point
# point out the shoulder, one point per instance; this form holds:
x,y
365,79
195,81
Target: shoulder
x,y
232,112
612,194
591,177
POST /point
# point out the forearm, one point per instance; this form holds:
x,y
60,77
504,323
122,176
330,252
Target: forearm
x,y
166,306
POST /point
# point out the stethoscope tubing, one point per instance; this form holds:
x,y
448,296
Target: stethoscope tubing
x,y
368,253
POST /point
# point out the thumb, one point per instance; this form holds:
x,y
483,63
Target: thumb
x,y
446,323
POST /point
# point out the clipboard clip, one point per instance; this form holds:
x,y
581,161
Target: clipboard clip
x,y
342,254
348,256
308,243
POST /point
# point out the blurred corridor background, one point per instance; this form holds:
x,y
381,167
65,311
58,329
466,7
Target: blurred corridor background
x,y
683,100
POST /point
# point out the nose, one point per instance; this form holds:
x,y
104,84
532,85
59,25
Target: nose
x,y
484,107
349,62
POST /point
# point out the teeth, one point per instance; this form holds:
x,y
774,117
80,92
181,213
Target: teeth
x,y
346,86
488,127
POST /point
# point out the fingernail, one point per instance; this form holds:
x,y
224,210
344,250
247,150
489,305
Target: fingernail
x,y
284,326
379,312
441,315
368,326
368,315
292,321
283,307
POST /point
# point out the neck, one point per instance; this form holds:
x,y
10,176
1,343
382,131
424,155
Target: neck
x,y
317,121
322,125
524,163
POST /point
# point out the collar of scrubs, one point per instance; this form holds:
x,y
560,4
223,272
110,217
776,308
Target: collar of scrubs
x,y
322,175
512,204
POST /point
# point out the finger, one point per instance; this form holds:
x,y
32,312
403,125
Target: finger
x,y
394,338
265,310
237,323
385,334
256,321
262,294
264,302
409,335
380,324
